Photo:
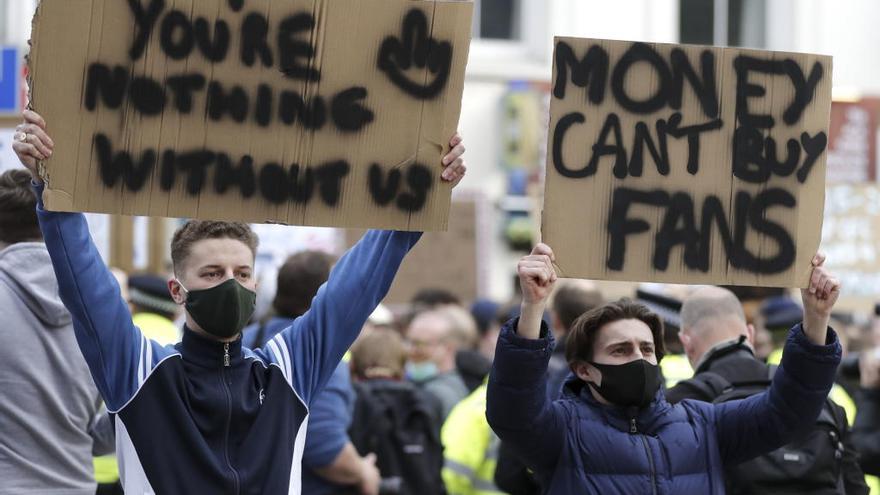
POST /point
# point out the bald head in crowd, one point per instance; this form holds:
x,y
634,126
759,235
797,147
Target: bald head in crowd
x,y
435,336
711,316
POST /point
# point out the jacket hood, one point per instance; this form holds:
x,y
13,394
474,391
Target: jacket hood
x,y
26,268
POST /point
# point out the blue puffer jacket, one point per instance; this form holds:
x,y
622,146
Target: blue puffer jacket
x,y
576,445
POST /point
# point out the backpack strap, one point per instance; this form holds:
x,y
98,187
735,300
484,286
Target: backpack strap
x,y
710,384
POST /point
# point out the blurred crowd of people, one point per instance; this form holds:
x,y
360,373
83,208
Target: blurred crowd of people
x,y
406,409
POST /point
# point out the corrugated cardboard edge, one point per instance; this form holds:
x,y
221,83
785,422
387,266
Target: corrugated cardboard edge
x,y
61,199
445,188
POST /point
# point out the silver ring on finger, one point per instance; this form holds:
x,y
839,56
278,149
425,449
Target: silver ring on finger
x,y
21,137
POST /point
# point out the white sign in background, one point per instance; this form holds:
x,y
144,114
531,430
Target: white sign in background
x,y
99,225
8,160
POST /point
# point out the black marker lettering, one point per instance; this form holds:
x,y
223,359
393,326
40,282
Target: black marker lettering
x,y
787,252
264,105
219,102
183,87
792,157
678,227
112,167
383,190
110,85
733,242
214,50
814,146
601,148
590,72
294,109
302,183
177,39
641,52
743,65
273,183
254,30
674,129
620,225
562,126
418,49
291,49
704,87
419,179
144,20
147,95
804,89
330,176
748,159
659,152
196,164
349,115
225,175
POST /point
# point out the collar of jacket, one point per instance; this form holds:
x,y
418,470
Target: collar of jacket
x,y
648,419
722,349
209,353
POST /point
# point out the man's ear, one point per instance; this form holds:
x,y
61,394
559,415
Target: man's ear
x,y
750,335
685,340
177,293
587,373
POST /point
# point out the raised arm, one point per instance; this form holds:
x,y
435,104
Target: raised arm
x,y
119,357
800,386
517,405
311,348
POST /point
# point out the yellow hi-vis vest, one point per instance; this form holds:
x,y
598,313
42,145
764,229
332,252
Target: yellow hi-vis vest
x,y
470,448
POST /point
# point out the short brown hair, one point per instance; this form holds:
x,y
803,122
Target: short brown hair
x,y
298,281
197,230
378,352
582,337
18,208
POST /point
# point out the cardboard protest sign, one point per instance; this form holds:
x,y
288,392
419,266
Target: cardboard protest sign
x,y
449,260
851,238
310,112
685,164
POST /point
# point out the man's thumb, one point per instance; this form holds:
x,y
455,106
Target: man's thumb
x,y
370,458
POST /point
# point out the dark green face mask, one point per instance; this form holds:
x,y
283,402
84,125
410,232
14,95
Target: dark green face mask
x,y
222,310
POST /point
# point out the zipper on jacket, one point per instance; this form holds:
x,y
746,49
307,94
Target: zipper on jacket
x,y
226,354
633,429
235,480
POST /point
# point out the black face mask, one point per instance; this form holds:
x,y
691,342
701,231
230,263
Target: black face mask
x,y
632,384
222,310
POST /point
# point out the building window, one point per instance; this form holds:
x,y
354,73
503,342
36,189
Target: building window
x,y
723,22
498,20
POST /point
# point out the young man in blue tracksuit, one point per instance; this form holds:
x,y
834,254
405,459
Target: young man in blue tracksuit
x,y
613,431
208,415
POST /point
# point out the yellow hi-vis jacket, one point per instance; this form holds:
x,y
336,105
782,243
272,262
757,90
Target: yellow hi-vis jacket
x,y
470,448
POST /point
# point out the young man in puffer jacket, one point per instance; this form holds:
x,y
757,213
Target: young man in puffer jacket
x,y
613,431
